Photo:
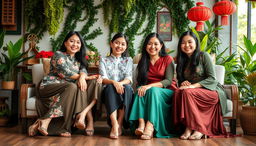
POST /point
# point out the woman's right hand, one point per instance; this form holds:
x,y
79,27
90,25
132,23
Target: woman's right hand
x,y
185,83
119,87
82,83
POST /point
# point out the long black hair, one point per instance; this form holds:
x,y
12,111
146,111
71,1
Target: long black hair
x,y
80,55
183,59
121,35
143,65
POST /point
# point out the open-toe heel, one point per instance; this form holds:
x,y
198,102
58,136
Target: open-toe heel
x,y
41,129
32,129
113,135
197,136
183,137
147,134
89,132
139,131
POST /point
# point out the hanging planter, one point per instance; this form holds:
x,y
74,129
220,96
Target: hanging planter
x,y
199,14
224,8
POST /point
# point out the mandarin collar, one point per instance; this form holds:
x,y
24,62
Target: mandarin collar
x,y
113,56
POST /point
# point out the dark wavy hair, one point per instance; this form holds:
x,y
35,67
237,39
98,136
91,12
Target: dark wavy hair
x,y
121,35
80,55
143,65
183,59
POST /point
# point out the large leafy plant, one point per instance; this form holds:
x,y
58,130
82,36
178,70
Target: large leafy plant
x,y
247,65
231,64
11,57
251,89
209,42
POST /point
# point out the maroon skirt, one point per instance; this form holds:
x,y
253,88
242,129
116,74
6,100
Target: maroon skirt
x,y
198,109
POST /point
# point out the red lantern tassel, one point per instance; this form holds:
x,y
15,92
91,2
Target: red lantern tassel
x,y
199,26
224,20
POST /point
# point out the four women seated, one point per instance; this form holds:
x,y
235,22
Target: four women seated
x,y
157,108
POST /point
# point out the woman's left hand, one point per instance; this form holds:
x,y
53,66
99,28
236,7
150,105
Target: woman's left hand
x,y
142,90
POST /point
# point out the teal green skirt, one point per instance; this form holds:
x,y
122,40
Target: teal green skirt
x,y
155,107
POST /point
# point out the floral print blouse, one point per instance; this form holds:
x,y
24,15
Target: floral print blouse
x,y
116,68
62,67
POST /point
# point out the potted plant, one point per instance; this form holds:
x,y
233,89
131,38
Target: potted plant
x,y
11,57
4,117
246,80
248,113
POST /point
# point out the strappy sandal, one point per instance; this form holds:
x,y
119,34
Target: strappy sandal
x,y
186,134
197,136
41,129
89,132
113,136
147,134
32,129
139,131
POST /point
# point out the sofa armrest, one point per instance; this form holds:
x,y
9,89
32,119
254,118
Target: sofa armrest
x,y
233,94
25,91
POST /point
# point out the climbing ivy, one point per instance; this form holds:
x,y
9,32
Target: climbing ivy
x,y
43,15
128,16
76,8
34,18
54,12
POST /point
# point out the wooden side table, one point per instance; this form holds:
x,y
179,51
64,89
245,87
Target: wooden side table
x,y
12,97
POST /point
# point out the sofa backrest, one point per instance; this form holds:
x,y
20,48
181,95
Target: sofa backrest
x,y
38,73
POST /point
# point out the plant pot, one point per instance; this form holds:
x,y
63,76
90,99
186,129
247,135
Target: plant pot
x,y
3,121
10,85
248,120
91,64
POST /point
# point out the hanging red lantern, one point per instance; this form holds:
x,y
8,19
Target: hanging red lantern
x,y
224,8
199,14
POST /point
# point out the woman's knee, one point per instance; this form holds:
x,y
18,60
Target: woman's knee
x,y
128,88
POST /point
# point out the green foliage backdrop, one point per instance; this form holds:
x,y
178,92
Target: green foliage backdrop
x,y
127,16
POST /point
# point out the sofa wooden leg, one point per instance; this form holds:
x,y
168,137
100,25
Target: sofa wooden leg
x,y
24,125
232,124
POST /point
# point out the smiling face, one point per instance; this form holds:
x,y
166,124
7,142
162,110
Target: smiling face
x,y
118,46
73,45
188,45
154,47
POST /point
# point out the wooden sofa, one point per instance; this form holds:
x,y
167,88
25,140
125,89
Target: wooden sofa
x,y
28,97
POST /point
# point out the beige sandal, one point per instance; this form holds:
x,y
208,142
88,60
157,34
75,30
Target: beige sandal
x,y
41,129
197,136
147,134
32,129
139,131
